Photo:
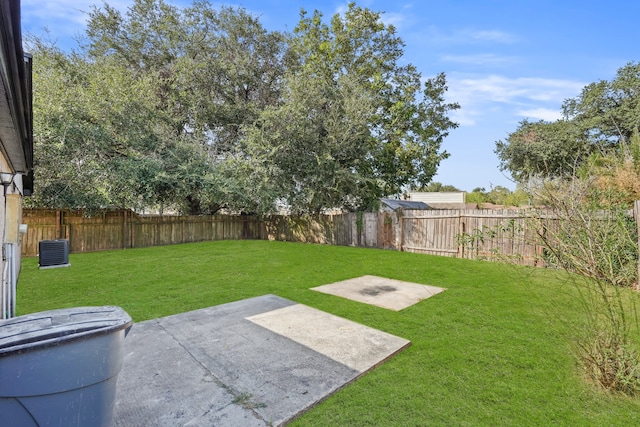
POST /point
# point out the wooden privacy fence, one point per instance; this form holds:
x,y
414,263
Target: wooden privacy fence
x,y
352,229
121,229
506,235
484,234
474,234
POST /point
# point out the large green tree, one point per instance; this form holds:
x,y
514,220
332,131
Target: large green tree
x,y
609,111
198,108
435,187
149,112
315,141
355,123
214,72
543,149
216,69
89,119
99,142
601,120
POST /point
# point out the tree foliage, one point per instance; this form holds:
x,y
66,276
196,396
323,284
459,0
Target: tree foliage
x,y
616,172
354,124
215,71
609,111
499,195
435,186
601,120
315,141
100,142
543,149
196,109
83,138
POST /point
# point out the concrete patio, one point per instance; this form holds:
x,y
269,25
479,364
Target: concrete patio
x,y
257,362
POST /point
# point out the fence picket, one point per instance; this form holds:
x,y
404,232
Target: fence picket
x,y
430,232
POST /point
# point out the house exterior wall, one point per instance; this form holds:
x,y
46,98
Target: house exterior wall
x,y
11,259
16,146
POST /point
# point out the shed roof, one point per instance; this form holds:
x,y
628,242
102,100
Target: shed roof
x,y
404,204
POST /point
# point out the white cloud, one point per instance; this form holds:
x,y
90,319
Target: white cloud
x,y
56,10
465,116
402,19
341,9
393,18
532,97
62,16
496,88
541,114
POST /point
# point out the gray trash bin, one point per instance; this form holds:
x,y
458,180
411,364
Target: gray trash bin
x,y
60,367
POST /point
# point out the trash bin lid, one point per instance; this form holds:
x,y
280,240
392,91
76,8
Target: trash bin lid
x,y
48,328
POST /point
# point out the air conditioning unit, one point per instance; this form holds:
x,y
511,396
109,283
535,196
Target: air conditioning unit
x,y
53,253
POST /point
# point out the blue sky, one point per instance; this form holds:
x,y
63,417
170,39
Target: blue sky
x,y
505,60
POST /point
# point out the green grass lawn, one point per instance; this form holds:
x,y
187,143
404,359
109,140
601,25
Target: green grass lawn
x,y
494,349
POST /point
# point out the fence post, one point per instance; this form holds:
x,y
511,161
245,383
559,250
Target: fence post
x,y
636,217
461,230
58,224
400,238
124,228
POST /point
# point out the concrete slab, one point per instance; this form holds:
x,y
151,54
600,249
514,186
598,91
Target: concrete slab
x,y
344,341
245,363
380,291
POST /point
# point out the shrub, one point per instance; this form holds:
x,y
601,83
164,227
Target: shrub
x,y
589,233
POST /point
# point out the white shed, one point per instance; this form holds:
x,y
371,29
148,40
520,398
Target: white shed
x,y
444,197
